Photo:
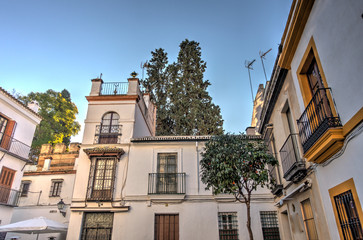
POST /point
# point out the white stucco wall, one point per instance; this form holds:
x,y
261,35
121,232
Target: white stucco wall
x,y
349,165
337,30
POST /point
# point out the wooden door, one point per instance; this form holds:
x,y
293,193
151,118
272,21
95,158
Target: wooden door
x,y
166,227
6,181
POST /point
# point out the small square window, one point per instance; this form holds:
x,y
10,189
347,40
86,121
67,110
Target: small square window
x,y
228,225
55,188
24,188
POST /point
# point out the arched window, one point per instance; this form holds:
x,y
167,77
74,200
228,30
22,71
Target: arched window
x,y
109,131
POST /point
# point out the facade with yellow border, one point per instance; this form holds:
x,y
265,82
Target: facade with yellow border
x,y
323,54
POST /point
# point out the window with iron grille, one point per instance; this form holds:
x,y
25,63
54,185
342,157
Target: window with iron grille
x,y
24,188
309,222
55,188
350,223
270,226
101,178
228,225
109,131
97,226
166,227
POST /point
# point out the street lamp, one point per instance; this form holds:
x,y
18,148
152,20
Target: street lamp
x,y
60,206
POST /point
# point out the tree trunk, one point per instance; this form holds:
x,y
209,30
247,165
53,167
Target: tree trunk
x,y
249,217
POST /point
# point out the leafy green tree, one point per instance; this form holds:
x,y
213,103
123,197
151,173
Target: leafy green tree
x,y
180,92
236,164
59,117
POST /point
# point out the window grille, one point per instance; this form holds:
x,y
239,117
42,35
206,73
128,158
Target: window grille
x,y
309,221
97,226
166,226
348,216
228,225
55,188
270,227
101,178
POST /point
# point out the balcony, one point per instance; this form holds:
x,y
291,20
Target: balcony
x,y
317,119
166,183
9,196
14,147
292,165
277,189
108,134
114,88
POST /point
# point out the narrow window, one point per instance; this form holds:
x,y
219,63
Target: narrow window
x,y
24,188
101,178
228,225
309,221
97,226
109,130
167,173
350,223
270,226
166,226
55,188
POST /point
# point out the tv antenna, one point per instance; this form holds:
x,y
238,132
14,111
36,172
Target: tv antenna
x,y
248,65
143,66
262,56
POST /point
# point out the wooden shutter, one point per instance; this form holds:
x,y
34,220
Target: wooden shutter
x,y
8,133
6,181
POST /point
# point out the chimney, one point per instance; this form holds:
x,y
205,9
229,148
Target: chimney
x,y
34,105
46,164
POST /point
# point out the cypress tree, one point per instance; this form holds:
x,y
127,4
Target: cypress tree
x,y
183,102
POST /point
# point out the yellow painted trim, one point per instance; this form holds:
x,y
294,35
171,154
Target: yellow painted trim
x,y
353,122
293,30
311,52
341,188
327,145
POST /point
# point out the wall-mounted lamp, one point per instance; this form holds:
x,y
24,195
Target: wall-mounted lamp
x,y
60,206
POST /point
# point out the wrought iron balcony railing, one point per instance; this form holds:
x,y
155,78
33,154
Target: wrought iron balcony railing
x,y
114,88
108,134
100,195
292,165
9,196
317,118
14,147
166,183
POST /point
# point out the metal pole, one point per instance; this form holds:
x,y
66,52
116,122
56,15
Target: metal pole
x,y
249,75
263,66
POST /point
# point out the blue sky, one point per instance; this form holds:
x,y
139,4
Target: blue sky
x,y
61,44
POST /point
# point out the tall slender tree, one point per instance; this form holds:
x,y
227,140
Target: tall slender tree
x,y
180,92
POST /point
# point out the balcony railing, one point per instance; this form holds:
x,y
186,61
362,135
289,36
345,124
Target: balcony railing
x,y
108,134
316,119
14,147
292,165
114,88
166,183
277,189
9,196
100,195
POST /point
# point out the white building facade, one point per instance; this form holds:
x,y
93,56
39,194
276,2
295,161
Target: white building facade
x,y
17,126
135,185
315,97
45,185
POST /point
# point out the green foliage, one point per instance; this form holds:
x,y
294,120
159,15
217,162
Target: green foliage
x,y
236,165
59,117
184,106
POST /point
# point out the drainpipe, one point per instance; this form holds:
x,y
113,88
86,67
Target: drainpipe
x,y
197,151
40,193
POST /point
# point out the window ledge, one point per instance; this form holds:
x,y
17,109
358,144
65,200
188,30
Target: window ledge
x,y
167,197
327,145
